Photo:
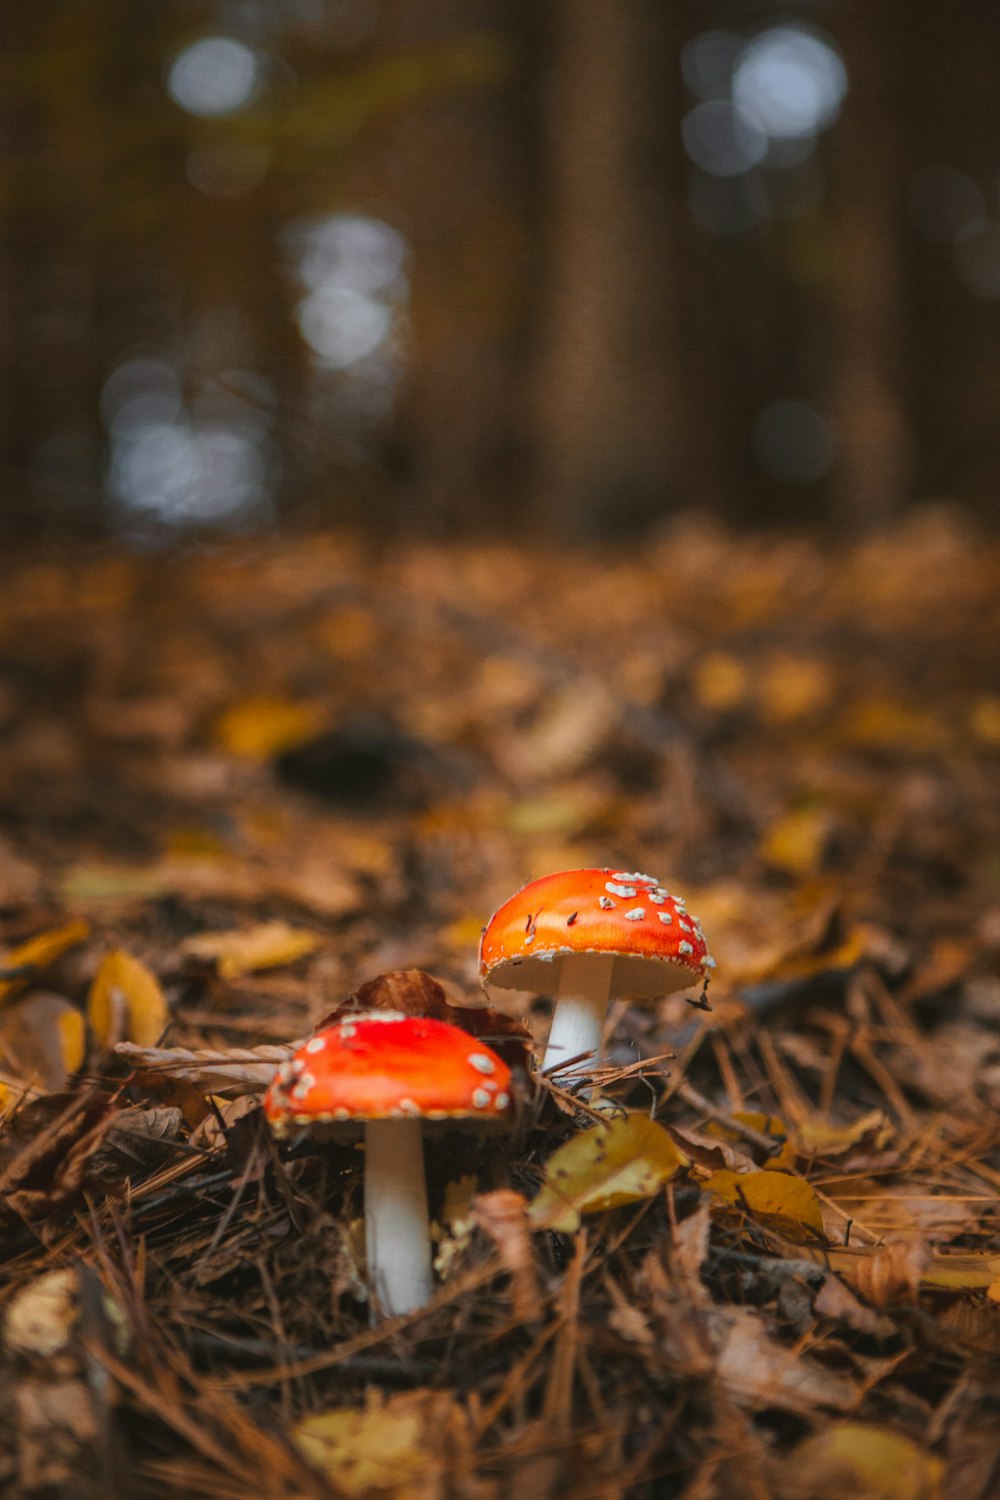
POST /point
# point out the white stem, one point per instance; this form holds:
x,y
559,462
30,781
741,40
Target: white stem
x,y
581,1006
397,1233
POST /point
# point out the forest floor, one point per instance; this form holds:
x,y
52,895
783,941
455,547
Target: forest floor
x,y
238,783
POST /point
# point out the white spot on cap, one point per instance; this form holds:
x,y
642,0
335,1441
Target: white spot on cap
x,y
657,898
481,1062
625,891
636,914
501,1101
316,1044
684,947
606,903
347,1031
708,962
684,926
408,1107
634,875
480,1098
342,1114
666,916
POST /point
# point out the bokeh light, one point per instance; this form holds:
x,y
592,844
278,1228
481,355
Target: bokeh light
x,y
791,80
216,75
721,139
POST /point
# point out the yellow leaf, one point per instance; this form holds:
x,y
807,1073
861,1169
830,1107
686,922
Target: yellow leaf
x,y
261,727
267,946
792,687
880,724
867,1463
984,719
41,951
602,1168
126,1002
769,1125
797,842
820,1138
970,1272
464,933
720,681
394,1447
993,1290
776,1194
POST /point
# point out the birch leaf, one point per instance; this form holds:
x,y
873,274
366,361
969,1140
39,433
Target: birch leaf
x,y
623,1161
125,1000
266,946
774,1194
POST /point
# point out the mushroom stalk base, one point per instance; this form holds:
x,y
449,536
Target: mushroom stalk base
x,y
581,1007
397,1233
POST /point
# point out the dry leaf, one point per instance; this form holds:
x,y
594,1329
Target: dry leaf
x,y
602,1168
40,1319
867,1463
815,1137
758,1371
888,1274
39,952
42,1037
503,1215
125,1000
230,1071
776,1195
261,727
244,952
837,1301
797,842
398,1448
769,1125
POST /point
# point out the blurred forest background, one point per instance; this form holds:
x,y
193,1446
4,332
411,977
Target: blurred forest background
x,y
467,263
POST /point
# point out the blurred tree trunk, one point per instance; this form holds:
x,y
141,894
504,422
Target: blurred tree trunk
x,y
606,408
875,440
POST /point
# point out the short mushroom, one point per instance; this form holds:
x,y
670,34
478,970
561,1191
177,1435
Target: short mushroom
x,y
389,1073
586,936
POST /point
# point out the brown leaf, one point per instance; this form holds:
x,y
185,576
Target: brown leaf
x,y
837,1301
759,1372
503,1215
891,1273
230,1071
42,1037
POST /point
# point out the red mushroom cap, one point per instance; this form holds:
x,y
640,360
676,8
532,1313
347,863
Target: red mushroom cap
x,y
383,1066
657,944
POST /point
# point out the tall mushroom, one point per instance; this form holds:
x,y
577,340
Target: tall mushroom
x,y
587,936
388,1073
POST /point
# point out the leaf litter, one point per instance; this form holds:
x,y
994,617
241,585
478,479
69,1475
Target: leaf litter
x,y
772,1266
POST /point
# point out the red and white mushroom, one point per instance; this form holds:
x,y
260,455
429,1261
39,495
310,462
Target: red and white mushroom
x,y
387,1073
586,936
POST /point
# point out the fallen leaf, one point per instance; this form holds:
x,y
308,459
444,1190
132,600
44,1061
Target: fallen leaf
x,y
867,1463
815,1137
399,1447
39,952
757,1371
42,1037
40,1319
777,1195
503,1215
243,952
125,1000
602,1168
230,1072
797,842
261,727
769,1125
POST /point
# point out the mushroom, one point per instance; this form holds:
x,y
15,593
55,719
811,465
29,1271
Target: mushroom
x,y
389,1073
588,935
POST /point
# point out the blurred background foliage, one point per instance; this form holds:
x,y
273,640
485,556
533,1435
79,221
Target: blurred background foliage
x,y
483,264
